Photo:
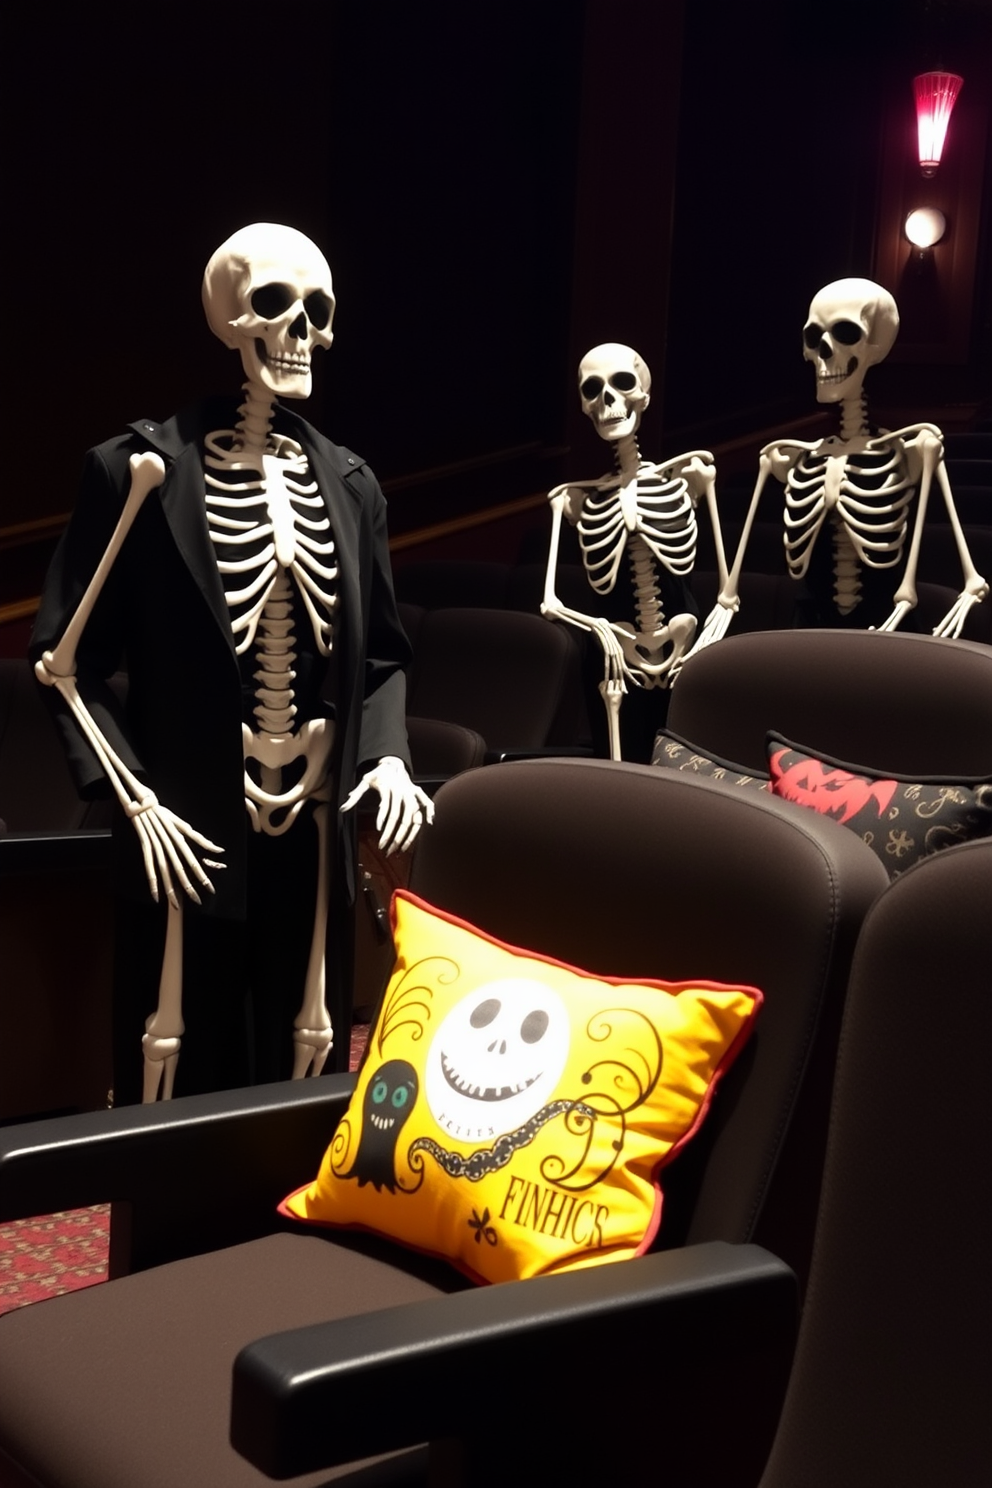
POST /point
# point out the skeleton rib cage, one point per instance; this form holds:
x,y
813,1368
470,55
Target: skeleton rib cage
x,y
664,517
267,524
871,503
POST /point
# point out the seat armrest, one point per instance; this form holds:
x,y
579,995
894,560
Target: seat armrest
x,y
547,751
456,1366
55,852
195,1173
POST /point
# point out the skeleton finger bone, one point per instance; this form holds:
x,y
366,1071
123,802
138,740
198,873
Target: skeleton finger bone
x,y
403,806
417,809
953,622
716,627
166,840
897,616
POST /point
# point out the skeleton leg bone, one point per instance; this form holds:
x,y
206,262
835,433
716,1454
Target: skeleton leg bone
x,y
612,691
164,1029
313,1036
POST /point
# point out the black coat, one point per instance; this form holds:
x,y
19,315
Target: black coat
x,y
162,616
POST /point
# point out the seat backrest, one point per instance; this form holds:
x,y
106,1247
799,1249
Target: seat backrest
x,y
439,749
633,872
893,1372
505,674
904,703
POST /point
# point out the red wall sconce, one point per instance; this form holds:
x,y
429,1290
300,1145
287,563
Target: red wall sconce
x,y
936,93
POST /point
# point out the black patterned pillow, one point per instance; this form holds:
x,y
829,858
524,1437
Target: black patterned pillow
x,y
901,818
673,753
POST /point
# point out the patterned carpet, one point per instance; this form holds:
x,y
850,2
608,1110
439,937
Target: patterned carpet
x,y
56,1253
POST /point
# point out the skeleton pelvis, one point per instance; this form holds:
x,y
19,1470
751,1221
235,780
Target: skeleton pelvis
x,y
649,655
268,756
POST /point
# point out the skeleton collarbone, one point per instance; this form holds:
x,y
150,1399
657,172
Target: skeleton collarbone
x,y
266,505
863,487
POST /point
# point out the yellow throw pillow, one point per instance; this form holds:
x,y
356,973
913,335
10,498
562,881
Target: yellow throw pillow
x,y
513,1113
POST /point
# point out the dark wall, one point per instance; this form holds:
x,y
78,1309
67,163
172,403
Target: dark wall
x,y
497,187
451,182
432,159
782,169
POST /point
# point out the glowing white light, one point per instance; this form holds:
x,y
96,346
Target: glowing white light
x,y
925,226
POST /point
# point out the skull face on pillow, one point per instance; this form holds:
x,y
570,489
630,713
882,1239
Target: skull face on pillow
x,y
496,1058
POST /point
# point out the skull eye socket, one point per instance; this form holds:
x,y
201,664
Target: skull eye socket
x,y
591,388
624,382
318,308
534,1026
812,335
270,300
484,1014
846,332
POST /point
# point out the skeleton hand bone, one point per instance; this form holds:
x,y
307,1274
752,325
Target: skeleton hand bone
x,y
403,806
715,628
165,849
953,622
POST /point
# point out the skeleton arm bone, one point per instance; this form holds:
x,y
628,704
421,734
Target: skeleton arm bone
x,y
975,588
928,446
728,598
164,837
702,468
563,498
776,460
928,449
701,475
403,806
613,686
147,472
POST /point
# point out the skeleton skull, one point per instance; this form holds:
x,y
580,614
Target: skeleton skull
x,y
496,1058
267,293
852,324
615,388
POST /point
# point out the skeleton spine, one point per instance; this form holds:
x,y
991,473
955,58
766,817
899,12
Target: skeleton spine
x,y
847,572
645,578
274,654
854,416
255,423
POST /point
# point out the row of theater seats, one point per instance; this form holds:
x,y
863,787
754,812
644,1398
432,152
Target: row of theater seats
x,y
488,681
672,1367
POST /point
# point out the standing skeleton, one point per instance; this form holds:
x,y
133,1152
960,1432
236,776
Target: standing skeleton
x,y
267,293
858,486
642,510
